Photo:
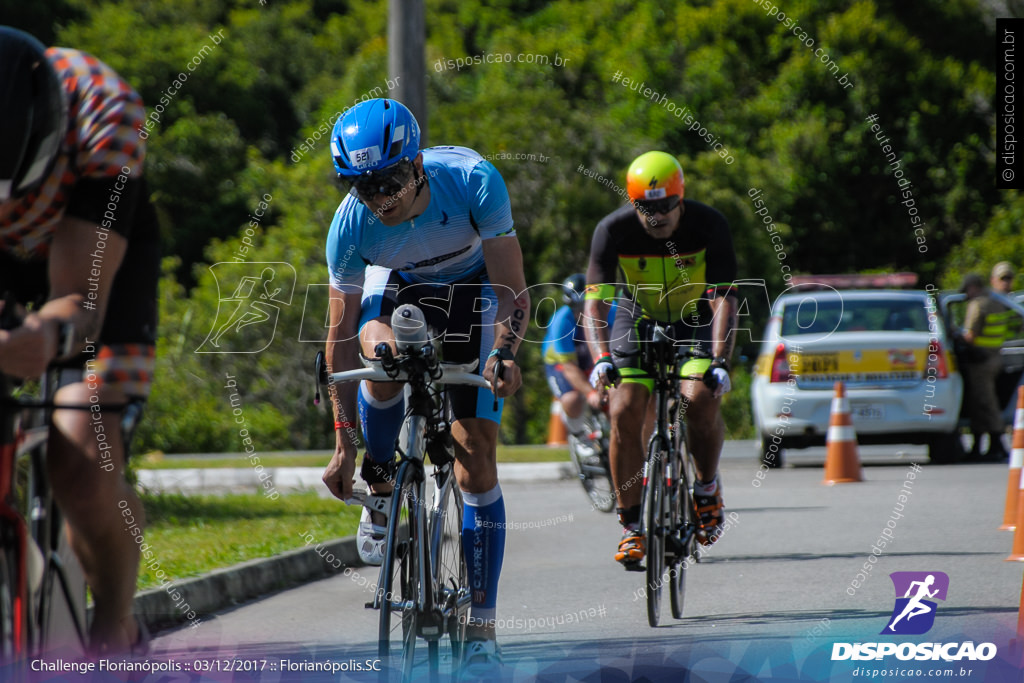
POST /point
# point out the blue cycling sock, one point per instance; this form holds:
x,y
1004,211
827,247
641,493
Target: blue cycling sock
x,y
381,422
483,544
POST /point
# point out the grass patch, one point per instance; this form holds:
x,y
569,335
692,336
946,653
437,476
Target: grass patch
x,y
156,461
151,461
192,535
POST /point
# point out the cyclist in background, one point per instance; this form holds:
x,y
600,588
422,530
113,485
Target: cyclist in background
x,y
78,238
567,362
679,265
434,228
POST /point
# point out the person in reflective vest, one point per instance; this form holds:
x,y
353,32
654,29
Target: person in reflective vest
x,y
984,330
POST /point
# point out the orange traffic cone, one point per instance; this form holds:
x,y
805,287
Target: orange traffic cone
x,y
1018,533
558,435
1020,613
1016,462
842,464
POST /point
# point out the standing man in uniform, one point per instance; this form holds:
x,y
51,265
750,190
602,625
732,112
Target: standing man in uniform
x,y
985,329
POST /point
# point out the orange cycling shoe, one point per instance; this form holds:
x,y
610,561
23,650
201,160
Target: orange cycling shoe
x,y
709,515
631,548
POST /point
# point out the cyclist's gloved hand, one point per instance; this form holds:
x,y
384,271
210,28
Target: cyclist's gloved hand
x,y
716,378
604,373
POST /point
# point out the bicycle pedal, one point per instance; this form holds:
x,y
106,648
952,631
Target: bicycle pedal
x,y
634,566
368,605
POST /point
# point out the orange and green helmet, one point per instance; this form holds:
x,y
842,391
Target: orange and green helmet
x,y
655,175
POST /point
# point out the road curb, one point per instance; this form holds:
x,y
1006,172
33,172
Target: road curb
x,y
170,605
223,588
193,481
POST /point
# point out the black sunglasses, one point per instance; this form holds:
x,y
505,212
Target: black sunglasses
x,y
653,206
388,182
1006,277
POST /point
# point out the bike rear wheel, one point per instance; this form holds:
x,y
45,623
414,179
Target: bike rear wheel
x,y
593,472
398,592
654,523
452,596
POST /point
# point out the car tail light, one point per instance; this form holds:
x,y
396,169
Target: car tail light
x,y
937,368
780,366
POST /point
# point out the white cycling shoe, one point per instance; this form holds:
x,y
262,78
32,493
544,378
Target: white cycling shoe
x,y
371,539
481,661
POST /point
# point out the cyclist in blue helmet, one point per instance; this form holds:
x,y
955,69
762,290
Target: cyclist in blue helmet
x,y
431,227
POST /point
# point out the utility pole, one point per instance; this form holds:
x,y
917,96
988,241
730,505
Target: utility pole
x,y
406,63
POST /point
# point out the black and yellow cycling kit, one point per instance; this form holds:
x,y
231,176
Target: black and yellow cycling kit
x,y
671,280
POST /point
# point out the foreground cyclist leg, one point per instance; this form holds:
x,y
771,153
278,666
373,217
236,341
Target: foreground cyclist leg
x,y
629,415
483,523
97,525
706,432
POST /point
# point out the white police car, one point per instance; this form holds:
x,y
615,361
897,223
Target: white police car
x,y
892,350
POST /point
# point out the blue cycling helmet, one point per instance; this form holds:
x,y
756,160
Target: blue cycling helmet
x,y
572,289
374,135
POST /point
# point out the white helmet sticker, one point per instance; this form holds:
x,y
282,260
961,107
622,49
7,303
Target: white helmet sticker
x,y
365,156
656,193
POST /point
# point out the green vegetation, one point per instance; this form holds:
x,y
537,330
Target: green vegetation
x,y
792,127
195,534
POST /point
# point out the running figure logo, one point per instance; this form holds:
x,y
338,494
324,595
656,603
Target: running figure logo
x,y
914,613
248,317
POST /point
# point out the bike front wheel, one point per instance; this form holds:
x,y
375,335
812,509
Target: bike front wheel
x,y
654,523
398,592
452,595
683,516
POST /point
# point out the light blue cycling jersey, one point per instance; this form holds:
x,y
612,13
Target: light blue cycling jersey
x,y
468,203
565,342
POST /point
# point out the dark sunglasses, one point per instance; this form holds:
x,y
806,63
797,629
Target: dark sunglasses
x,y
1008,278
388,182
653,206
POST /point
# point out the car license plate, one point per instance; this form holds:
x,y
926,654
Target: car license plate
x,y
819,363
868,411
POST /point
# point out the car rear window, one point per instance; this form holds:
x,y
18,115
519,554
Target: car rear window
x,y
809,315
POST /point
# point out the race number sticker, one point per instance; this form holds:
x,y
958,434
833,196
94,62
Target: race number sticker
x,y
365,156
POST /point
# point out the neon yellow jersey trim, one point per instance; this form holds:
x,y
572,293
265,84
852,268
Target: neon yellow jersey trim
x,y
600,292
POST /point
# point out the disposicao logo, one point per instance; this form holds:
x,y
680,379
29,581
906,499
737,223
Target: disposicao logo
x,y
914,614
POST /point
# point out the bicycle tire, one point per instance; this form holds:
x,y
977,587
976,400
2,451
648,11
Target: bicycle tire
x,y
452,577
401,564
595,477
654,519
9,627
682,514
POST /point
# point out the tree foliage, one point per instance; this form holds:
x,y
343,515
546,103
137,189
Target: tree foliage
x,y
752,84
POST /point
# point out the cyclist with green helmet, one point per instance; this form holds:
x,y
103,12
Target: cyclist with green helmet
x,y
677,258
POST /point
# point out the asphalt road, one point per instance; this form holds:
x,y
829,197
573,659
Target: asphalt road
x,y
769,600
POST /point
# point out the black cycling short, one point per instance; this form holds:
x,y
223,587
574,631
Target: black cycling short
x,y
462,313
632,327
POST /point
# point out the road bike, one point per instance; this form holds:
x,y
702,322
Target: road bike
x,y
591,460
34,562
423,590
668,518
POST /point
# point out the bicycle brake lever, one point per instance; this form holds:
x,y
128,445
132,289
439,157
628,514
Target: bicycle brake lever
x,y
320,372
358,497
499,370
